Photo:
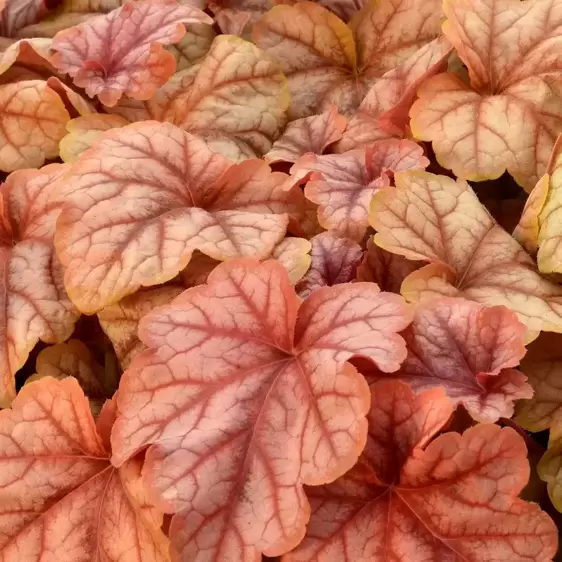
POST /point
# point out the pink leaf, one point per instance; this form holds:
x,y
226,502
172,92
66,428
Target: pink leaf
x,y
334,261
17,14
309,134
344,184
122,52
470,351
245,395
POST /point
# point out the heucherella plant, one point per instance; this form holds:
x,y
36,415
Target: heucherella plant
x,y
280,280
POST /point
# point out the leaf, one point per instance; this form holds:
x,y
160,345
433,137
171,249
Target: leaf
x,y
543,367
384,111
120,321
334,261
60,497
71,359
510,116
136,63
237,100
271,374
193,47
31,53
310,134
156,107
34,305
327,62
384,268
468,350
292,254
439,220
452,499
343,184
539,225
68,14
527,230
17,14
32,123
236,17
344,9
148,195
549,467
84,130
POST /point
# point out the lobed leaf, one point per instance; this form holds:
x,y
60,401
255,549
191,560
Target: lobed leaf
x,y
237,100
309,134
344,9
122,52
543,367
509,116
149,194
60,496
468,350
383,113
342,185
83,131
334,261
328,62
440,220
291,253
120,321
549,467
17,14
32,123
384,268
244,395
408,501
34,304
73,359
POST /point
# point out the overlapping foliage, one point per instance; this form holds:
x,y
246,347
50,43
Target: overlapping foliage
x,y
253,307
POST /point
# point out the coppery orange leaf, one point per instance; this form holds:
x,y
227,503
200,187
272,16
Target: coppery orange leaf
x,y
237,100
149,194
509,116
120,321
34,304
83,131
441,221
342,185
543,366
72,359
32,123
327,61
31,53
408,501
122,52
249,391
292,254
60,497
334,261
193,47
